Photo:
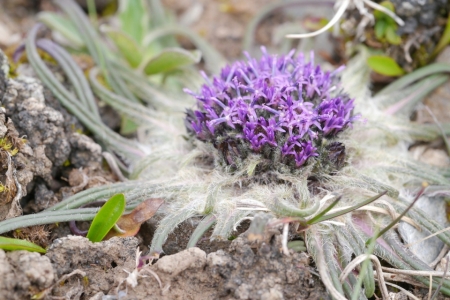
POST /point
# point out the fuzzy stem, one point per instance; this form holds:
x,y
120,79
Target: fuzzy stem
x,y
155,96
81,214
87,32
107,136
315,248
119,86
406,80
93,42
95,194
413,261
204,225
366,273
328,251
134,111
385,251
427,132
169,223
286,210
74,73
416,94
121,104
226,222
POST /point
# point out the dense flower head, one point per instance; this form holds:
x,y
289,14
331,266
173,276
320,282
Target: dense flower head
x,y
275,106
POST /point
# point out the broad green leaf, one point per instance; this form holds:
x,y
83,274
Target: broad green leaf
x,y
171,59
11,244
106,218
126,45
134,19
130,224
392,37
445,39
64,26
384,65
380,29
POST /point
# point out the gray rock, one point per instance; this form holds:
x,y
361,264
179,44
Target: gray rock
x,y
429,249
23,274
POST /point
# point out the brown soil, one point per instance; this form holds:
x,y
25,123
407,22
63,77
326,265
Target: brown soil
x,y
239,272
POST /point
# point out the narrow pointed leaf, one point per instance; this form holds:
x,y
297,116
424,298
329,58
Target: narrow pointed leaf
x,y
379,234
318,217
11,244
171,59
106,217
344,211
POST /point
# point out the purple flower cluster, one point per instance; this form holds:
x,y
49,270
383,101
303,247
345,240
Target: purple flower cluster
x,y
275,104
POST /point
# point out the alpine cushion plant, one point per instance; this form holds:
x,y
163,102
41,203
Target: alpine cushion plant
x,y
274,135
283,109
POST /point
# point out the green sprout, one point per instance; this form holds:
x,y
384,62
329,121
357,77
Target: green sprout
x,y
384,65
106,218
385,26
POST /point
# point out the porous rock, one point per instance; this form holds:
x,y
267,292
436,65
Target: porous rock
x,y
24,274
50,141
103,262
239,272
192,258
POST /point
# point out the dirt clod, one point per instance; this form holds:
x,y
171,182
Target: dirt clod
x,y
193,258
239,272
103,262
24,274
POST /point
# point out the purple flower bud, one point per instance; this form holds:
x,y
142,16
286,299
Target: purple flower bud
x,y
277,103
